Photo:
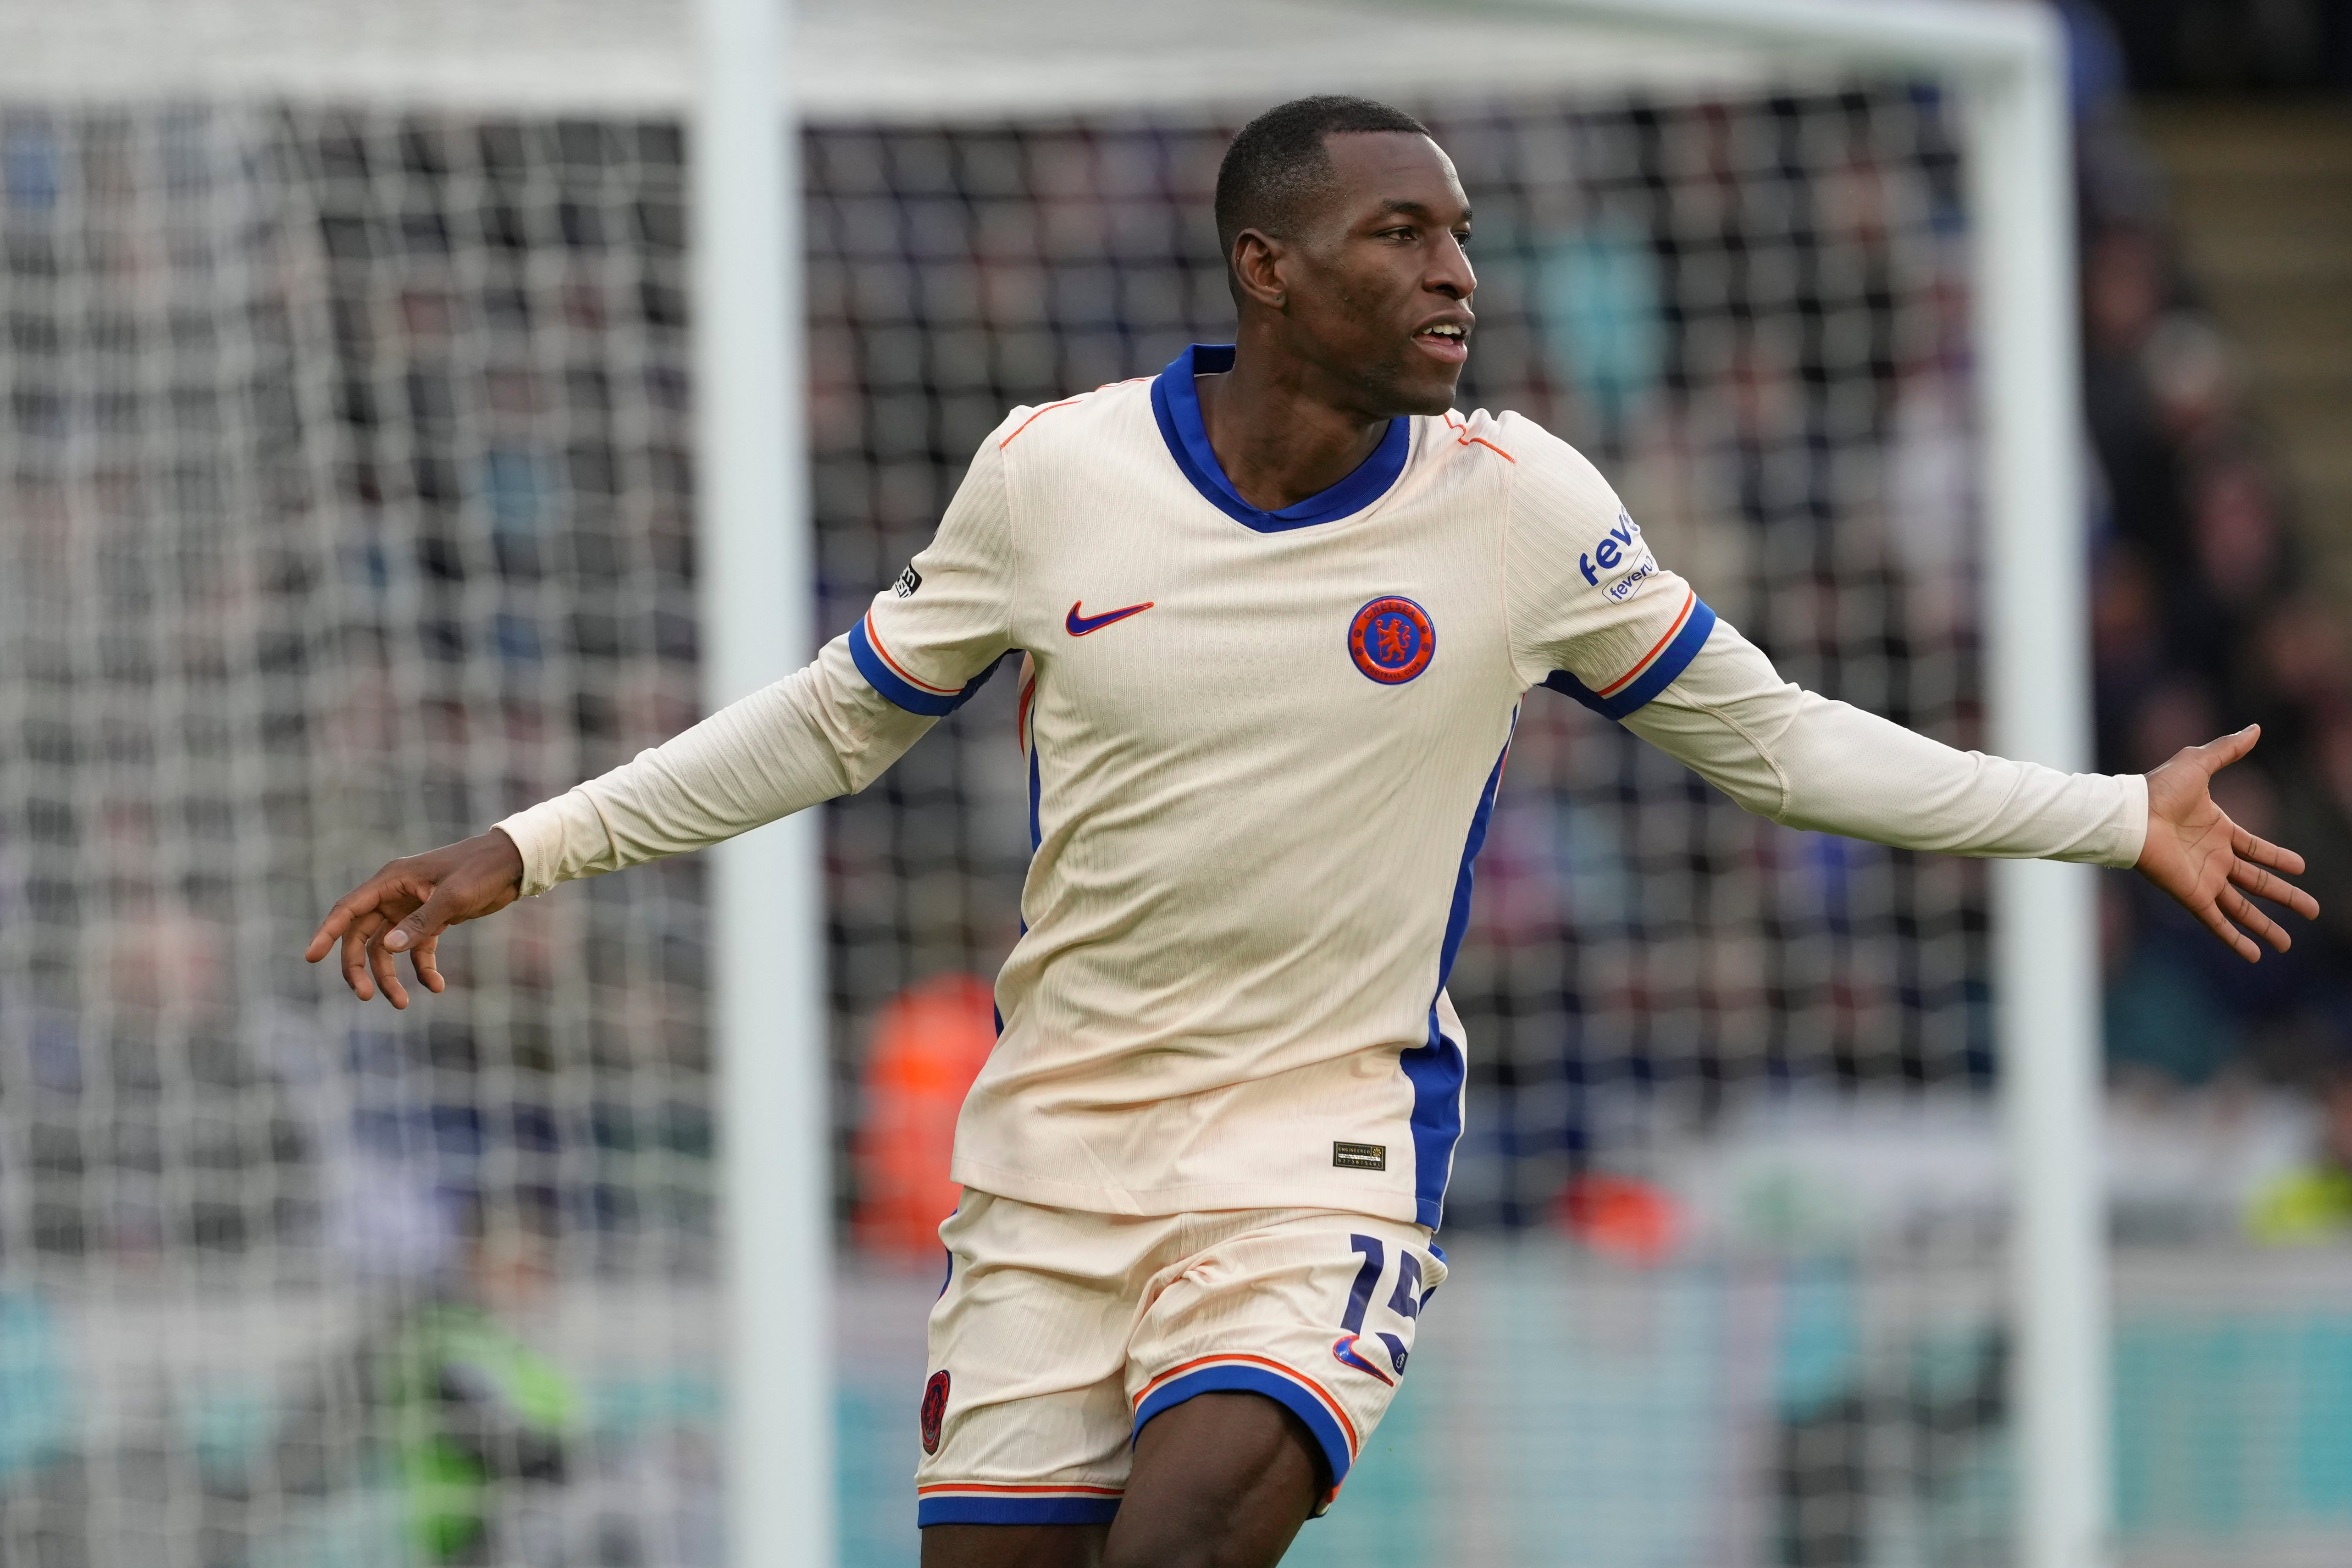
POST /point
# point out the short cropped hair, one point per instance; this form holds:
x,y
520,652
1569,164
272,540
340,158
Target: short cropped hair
x,y
1278,166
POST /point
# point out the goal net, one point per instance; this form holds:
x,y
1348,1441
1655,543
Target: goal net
x,y
344,460
1751,310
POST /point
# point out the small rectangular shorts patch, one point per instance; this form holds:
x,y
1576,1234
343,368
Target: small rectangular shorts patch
x,y
1361,1156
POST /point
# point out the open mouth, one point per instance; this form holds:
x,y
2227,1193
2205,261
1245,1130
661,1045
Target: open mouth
x,y
1446,341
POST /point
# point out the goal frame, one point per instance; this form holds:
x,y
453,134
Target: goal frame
x,y
756,578
2007,61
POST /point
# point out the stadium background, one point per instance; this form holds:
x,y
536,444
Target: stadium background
x,y
348,496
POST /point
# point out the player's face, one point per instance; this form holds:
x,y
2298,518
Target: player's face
x,y
1382,293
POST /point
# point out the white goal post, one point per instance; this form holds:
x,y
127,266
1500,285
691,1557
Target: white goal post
x,y
768,969
2009,62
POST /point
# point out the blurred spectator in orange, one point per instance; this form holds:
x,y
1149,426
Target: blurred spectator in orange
x,y
1621,1218
927,1045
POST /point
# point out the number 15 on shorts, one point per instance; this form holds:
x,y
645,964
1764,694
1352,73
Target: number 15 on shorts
x,y
1405,1302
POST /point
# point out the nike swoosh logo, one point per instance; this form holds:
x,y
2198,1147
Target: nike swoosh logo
x,y
1079,625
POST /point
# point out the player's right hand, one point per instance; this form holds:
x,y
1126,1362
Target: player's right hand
x,y
405,907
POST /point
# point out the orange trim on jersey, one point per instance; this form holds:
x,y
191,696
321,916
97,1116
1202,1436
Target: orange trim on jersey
x,y
1028,694
994,1489
1354,1443
1034,418
1461,437
875,637
1645,662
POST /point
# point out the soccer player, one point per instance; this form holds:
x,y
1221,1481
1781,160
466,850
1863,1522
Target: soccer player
x,y
1276,608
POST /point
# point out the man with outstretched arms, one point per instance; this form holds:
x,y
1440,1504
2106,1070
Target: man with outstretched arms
x,y
1276,608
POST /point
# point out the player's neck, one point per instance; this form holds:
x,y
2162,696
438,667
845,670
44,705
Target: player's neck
x,y
1280,434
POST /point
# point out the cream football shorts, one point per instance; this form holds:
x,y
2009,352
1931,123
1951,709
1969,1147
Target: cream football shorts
x,y
1060,1332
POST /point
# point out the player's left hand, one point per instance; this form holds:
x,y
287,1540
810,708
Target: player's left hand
x,y
2209,863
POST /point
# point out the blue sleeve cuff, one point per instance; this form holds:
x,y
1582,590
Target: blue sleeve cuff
x,y
1632,691
887,679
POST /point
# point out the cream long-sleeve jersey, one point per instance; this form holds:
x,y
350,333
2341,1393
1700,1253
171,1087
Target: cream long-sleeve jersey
x,y
1262,749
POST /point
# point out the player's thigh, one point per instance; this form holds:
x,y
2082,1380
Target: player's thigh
x,y
1312,1310
1014,1545
1224,1478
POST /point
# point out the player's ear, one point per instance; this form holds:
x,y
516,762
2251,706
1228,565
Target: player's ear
x,y
1257,269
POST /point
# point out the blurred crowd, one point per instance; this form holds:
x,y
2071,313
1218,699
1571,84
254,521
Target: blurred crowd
x,y
2231,45
2204,619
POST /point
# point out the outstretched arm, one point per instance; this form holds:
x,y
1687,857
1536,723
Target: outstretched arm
x,y
821,732
923,647
1593,613
1806,762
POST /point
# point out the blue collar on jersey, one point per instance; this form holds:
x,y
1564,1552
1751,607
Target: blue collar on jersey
x,y
1177,404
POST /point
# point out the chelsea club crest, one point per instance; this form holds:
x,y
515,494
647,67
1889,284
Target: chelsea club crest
x,y
1391,639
